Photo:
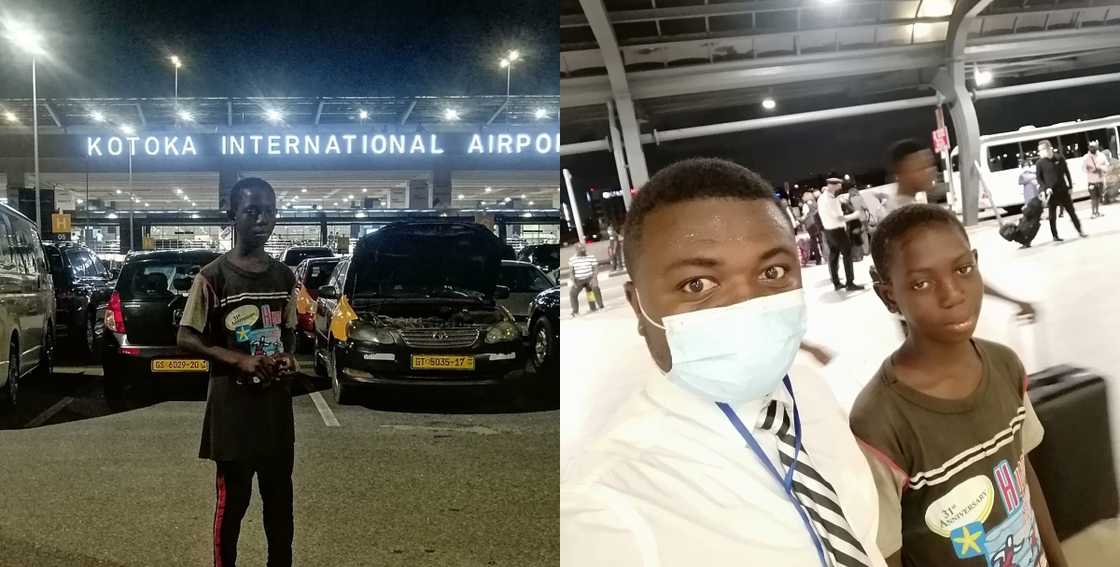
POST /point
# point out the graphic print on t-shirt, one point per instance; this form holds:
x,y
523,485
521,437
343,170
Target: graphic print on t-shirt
x,y
265,339
960,514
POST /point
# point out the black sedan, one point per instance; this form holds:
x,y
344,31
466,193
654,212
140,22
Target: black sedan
x,y
544,331
142,321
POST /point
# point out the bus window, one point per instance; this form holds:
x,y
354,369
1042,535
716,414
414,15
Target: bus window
x,y
1073,145
1003,157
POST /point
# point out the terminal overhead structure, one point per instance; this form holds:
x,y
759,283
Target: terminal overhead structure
x,y
646,71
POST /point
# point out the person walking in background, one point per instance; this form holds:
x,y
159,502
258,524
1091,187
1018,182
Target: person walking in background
x,y
585,276
811,220
1028,180
834,222
1096,167
615,249
860,206
1053,177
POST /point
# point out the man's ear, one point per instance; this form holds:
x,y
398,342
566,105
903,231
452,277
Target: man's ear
x,y
883,290
632,299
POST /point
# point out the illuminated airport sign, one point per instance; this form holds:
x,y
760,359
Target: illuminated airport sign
x,y
290,145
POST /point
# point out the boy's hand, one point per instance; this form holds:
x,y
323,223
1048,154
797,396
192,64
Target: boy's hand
x,y
262,367
1027,312
285,363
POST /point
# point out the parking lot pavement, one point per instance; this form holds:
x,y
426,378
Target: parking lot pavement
x,y
408,477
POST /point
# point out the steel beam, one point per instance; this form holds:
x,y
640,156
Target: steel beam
x,y
619,156
746,74
54,116
408,112
620,90
140,113
319,112
701,11
497,112
1041,43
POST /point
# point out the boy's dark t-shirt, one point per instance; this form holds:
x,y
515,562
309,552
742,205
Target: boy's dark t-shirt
x,y
951,474
243,311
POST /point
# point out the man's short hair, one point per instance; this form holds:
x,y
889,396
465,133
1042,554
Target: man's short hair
x,y
901,150
237,192
901,221
1045,144
689,180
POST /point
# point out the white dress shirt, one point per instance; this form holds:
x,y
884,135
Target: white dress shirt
x,y
672,483
832,216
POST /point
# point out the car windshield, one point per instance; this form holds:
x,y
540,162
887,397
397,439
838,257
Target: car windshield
x,y
157,279
294,257
422,292
318,274
523,279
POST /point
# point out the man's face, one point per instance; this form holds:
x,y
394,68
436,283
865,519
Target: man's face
x,y
934,282
916,172
581,250
255,216
1044,151
833,187
709,253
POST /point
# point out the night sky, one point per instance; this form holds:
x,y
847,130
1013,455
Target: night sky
x,y
102,48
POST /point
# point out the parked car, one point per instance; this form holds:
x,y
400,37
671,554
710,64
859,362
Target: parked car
x,y
82,286
415,305
524,281
292,256
544,256
310,275
26,304
544,331
143,321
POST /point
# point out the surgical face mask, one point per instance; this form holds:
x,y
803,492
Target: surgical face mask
x,y
736,353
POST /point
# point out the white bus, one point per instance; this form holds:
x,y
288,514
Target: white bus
x,y
1003,156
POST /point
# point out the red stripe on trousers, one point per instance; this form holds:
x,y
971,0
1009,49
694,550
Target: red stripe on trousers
x,y
219,512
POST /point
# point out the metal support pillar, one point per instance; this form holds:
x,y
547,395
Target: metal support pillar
x,y
631,139
574,206
619,157
950,83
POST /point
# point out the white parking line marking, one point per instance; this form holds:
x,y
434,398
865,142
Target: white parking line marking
x,y
324,410
50,412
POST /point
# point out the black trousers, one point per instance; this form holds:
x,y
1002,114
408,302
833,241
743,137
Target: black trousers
x,y
839,245
1061,198
234,489
1096,192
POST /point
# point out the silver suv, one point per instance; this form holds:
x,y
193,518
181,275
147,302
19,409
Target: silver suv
x,y
26,304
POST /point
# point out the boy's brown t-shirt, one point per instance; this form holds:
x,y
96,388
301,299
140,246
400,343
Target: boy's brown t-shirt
x,y
951,473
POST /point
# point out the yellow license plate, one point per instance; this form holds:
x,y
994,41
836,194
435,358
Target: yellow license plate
x,y
180,365
427,362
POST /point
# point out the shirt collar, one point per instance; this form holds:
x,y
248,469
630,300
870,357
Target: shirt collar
x,y
685,404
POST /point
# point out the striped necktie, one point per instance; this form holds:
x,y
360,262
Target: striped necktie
x,y
816,494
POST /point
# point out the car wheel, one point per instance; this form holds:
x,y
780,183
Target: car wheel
x,y
343,394
319,356
12,388
544,351
46,354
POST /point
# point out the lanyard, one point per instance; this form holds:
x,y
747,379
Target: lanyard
x,y
787,480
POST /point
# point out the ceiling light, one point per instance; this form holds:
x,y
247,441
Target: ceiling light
x,y
304,190
451,114
273,115
147,205
530,203
10,116
118,191
462,196
489,189
363,114
350,197
541,114
178,191
97,116
523,196
128,130
185,116
364,189
769,103
982,77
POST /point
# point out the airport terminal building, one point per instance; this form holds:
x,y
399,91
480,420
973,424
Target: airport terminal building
x,y
162,168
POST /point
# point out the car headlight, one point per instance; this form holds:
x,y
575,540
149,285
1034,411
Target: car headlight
x,y
502,332
366,333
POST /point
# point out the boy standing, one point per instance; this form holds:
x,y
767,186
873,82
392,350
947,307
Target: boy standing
x,y
946,423
239,316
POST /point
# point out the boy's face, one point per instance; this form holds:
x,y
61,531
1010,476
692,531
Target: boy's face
x,y
709,253
934,282
255,216
916,172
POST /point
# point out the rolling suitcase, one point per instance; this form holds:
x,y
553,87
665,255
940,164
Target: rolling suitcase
x,y
1074,462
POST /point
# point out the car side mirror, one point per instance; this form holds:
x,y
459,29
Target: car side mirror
x,y
501,292
328,292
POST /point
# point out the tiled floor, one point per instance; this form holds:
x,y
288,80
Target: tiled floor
x,y
1075,285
